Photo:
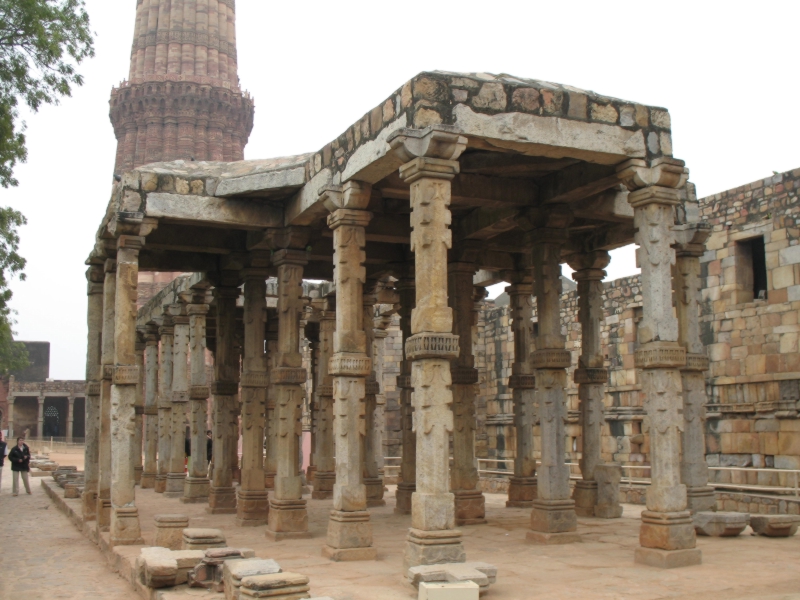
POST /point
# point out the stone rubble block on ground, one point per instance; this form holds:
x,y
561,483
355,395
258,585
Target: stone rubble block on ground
x,y
209,572
465,590
236,570
720,524
158,567
276,586
483,574
169,530
775,525
202,539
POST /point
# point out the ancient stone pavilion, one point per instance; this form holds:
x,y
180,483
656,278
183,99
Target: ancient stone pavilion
x,y
454,174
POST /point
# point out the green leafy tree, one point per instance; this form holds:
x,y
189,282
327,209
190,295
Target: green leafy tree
x,y
41,44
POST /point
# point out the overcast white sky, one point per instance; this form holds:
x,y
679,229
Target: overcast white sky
x,y
726,71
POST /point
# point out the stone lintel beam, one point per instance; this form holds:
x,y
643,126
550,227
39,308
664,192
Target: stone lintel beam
x,y
576,183
211,211
474,190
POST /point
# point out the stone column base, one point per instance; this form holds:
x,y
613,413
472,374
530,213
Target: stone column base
x,y
148,481
103,513
195,490
288,519
125,529
252,508
553,522
403,497
137,475
221,501
608,511
585,497
89,503
470,507
433,548
522,491
174,487
667,531
311,472
700,499
269,481
668,559
374,487
349,537
323,485
161,484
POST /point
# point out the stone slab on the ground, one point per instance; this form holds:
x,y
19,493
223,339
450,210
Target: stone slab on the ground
x,y
169,530
235,570
775,525
465,590
200,539
483,574
720,524
276,586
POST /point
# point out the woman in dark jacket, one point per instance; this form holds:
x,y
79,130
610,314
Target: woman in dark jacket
x,y
3,447
20,457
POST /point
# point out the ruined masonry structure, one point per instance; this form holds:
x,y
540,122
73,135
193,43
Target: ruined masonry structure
x,y
182,99
454,182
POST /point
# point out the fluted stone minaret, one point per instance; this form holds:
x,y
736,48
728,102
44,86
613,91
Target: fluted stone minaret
x,y
182,99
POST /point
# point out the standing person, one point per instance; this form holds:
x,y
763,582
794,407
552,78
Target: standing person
x,y
3,447
20,457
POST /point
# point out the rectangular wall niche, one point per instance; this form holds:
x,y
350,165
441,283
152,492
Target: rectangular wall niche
x,y
751,270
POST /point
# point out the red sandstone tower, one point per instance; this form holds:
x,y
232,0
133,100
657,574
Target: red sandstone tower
x,y
182,99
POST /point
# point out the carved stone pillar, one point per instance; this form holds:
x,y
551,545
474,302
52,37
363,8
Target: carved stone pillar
x,y
40,418
180,399
138,467
253,504
271,429
311,333
349,527
11,418
125,529
590,375
694,469
408,465
165,366
325,476
91,469
470,505
224,391
553,519
150,407
430,158
196,486
667,534
522,486
373,482
287,509
103,510
70,418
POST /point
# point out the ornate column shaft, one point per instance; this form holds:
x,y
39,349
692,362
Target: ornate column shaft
x,y
553,519
125,528
349,526
150,407
311,333
224,391
253,505
176,477
138,466
287,509
165,367
271,429
522,489
406,289
430,158
667,534
91,469
686,282
470,505
70,417
590,375
196,486
373,482
325,476
103,510
40,418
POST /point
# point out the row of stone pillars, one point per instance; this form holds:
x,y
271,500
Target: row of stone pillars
x,y
40,417
437,304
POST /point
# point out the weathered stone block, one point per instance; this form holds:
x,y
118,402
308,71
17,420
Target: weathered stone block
x,y
449,591
720,524
277,586
668,559
169,531
201,539
235,570
775,525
